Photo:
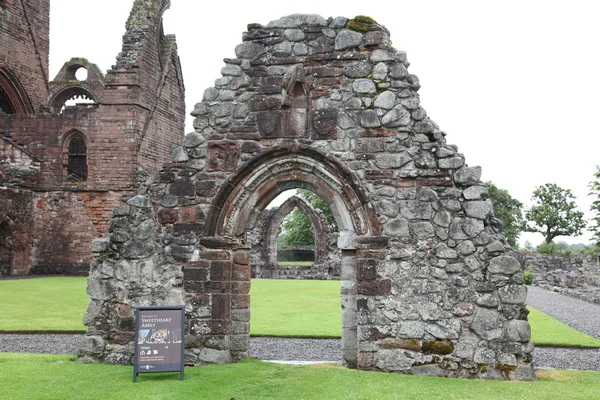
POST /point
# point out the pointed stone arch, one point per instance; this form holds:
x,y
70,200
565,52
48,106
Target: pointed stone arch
x,y
319,226
13,97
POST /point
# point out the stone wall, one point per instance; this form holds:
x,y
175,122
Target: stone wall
x,y
328,105
577,275
134,119
24,49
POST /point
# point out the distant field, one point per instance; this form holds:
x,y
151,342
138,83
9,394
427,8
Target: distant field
x,y
288,308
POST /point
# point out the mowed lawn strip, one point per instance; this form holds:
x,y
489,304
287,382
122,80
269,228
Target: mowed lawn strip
x,y
61,377
295,308
547,331
43,304
285,308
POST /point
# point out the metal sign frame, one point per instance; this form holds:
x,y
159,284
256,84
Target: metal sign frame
x,y
148,366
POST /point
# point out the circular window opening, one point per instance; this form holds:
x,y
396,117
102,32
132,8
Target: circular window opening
x,y
81,74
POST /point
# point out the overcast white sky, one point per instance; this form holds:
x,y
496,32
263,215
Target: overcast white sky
x,y
515,84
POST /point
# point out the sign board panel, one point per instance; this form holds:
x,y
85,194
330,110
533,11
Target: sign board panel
x,y
159,340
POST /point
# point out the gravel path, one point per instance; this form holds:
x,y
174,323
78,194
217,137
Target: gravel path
x,y
578,314
281,349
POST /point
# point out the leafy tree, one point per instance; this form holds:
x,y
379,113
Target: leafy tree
x,y
296,225
508,210
318,203
296,230
554,213
595,191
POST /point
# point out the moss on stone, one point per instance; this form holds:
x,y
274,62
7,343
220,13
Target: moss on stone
x,y
438,347
360,23
253,25
505,368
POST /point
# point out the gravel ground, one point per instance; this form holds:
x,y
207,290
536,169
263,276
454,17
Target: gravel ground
x,y
579,314
281,349
576,313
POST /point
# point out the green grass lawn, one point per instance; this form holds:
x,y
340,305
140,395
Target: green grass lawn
x,y
296,308
31,376
293,308
43,304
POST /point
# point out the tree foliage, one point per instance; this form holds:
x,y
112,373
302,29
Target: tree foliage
x,y
554,213
296,225
318,203
595,191
508,210
297,230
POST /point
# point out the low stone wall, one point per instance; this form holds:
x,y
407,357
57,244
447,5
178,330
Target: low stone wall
x,y
296,255
577,275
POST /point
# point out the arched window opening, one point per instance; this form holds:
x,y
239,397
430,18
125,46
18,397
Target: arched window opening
x,y
13,98
73,96
5,107
6,247
76,159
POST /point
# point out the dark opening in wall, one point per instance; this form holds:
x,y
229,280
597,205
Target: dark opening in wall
x,y
77,169
5,107
5,248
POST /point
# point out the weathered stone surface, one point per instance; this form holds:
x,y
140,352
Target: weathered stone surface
x,y
519,331
249,50
294,35
381,55
506,265
468,175
347,39
99,245
140,202
364,86
478,209
427,370
396,117
386,100
513,294
358,69
369,119
296,20
487,321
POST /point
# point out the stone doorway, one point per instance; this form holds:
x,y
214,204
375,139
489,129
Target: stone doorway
x,y
252,189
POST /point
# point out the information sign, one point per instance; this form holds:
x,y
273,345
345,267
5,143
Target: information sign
x,y
159,340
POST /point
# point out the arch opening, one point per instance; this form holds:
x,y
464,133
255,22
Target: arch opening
x,y
70,97
6,249
13,98
244,197
75,158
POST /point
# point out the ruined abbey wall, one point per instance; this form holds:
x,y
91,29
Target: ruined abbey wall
x,y
24,49
329,105
134,119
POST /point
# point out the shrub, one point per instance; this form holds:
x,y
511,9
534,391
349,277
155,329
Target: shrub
x,y
528,276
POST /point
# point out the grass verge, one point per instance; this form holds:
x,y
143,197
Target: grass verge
x,y
60,377
547,331
43,304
